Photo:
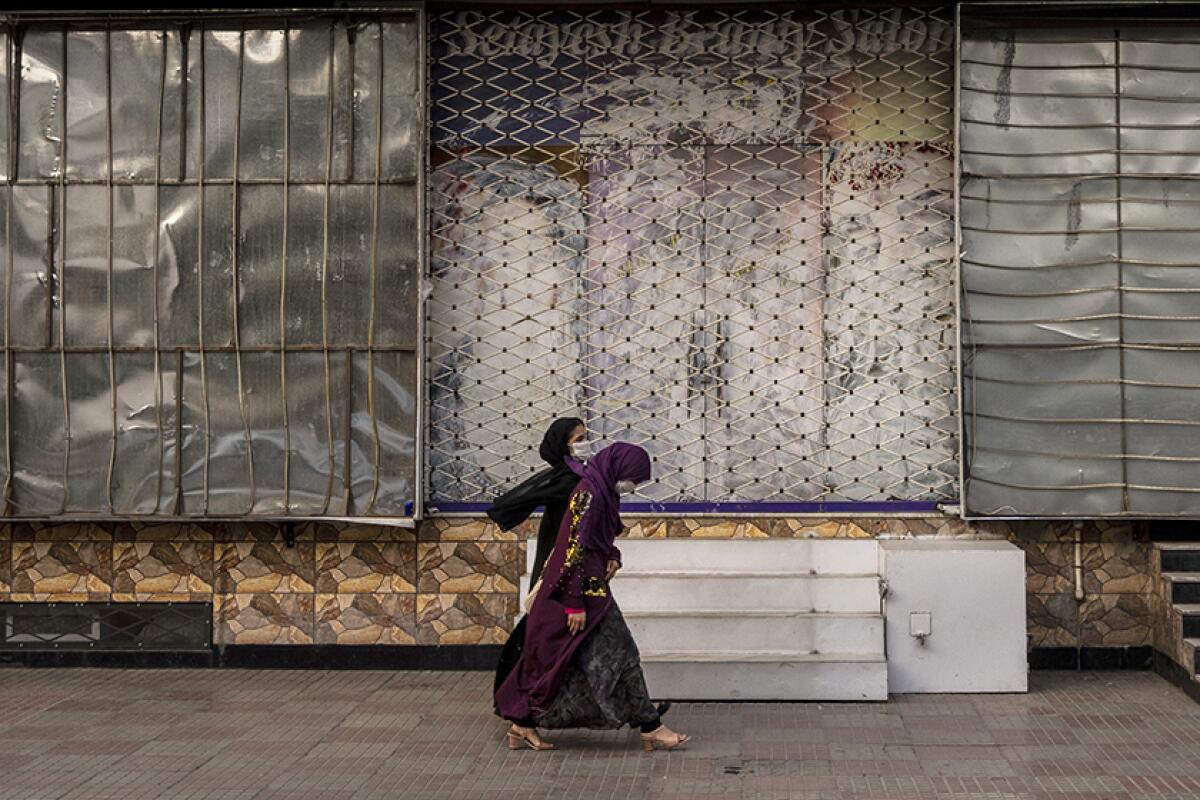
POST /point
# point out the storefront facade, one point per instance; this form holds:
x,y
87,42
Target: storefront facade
x,y
290,299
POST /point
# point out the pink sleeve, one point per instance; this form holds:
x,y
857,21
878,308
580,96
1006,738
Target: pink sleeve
x,y
574,610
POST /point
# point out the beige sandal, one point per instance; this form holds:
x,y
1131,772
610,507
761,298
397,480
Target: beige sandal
x,y
517,740
655,739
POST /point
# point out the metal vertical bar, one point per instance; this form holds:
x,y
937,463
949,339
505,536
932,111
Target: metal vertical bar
x,y
51,281
158,371
62,284
283,265
348,432
237,354
185,36
112,358
200,167
375,273
420,394
351,35
178,494
12,55
1120,273
959,299
329,98
15,42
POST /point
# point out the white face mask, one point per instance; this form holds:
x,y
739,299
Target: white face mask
x,y
625,487
582,450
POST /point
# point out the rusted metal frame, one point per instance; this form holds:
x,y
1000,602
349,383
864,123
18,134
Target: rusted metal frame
x,y
283,266
158,370
325,356
351,37
178,493
1121,316
62,285
185,44
215,348
200,164
235,280
108,252
243,181
12,56
371,407
348,433
420,394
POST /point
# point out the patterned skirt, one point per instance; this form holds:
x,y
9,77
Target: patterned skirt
x,y
604,688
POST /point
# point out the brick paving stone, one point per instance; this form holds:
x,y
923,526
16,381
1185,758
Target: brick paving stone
x,y
314,735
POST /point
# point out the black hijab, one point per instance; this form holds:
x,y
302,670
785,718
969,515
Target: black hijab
x,y
556,445
550,488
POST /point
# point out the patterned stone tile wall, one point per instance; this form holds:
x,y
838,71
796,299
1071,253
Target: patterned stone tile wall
x,y
455,581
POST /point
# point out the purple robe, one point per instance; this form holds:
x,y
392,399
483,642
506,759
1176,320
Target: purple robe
x,y
574,577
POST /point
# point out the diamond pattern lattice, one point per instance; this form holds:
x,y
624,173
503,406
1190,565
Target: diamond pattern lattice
x,y
726,236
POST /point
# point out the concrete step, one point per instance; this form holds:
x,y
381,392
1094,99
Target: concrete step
x,y
1185,586
733,592
748,555
693,631
1191,618
1180,557
766,591
767,675
751,555
1194,643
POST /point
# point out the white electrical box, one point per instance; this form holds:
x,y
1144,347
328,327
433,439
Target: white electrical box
x,y
976,590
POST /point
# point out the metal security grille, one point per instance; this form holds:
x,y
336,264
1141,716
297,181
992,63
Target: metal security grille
x,y
726,236
211,249
106,626
1080,157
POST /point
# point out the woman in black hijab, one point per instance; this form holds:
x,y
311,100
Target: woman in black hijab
x,y
549,489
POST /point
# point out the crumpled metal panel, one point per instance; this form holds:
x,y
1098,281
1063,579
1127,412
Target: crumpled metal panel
x,y
1079,325
30,233
35,405
383,443
217,315
687,227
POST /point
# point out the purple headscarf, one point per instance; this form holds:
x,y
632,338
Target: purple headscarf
x,y
617,462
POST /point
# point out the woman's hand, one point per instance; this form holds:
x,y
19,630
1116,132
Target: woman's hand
x,y
613,566
576,622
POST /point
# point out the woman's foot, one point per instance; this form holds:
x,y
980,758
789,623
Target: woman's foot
x,y
663,737
519,737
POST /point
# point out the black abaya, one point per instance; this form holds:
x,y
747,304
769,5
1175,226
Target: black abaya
x,y
550,490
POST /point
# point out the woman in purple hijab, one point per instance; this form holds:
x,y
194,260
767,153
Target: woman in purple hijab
x,y
579,667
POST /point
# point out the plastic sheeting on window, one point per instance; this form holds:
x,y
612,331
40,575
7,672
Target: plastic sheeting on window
x,y
211,234
1081,335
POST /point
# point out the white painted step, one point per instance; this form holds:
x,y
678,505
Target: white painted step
x,y
752,631
714,591
764,676
746,555
766,591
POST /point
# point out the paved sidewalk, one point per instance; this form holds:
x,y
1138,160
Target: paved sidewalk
x,y
226,735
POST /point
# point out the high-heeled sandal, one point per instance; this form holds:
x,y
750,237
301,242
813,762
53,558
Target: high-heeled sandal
x,y
518,740
651,740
